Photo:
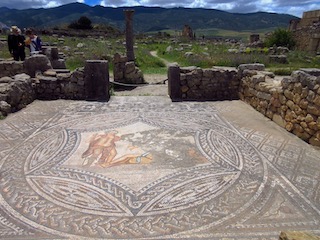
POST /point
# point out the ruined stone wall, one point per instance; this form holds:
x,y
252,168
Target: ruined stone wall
x,y
208,84
310,17
305,38
292,102
10,68
52,85
125,71
306,32
19,90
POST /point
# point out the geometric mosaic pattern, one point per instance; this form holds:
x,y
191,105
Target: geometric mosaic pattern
x,y
147,168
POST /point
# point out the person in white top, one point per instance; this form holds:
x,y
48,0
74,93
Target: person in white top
x,y
33,42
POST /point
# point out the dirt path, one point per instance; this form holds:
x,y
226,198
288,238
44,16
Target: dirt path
x,y
155,86
155,54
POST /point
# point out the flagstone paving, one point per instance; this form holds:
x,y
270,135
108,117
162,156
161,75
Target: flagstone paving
x,y
146,168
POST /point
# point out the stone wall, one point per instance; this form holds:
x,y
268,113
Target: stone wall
x,y
10,68
306,32
125,71
205,84
15,93
55,84
21,89
292,102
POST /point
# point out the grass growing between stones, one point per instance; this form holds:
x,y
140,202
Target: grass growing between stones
x,y
202,54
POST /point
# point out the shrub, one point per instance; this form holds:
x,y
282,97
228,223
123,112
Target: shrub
x,y
281,38
82,23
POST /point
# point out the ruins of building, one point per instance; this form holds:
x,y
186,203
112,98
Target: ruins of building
x,y
306,31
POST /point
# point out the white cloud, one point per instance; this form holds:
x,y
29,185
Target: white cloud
x,y
295,7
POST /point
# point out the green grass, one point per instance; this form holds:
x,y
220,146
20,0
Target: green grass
x,y
204,55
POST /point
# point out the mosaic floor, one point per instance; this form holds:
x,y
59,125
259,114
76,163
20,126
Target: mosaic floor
x,y
147,168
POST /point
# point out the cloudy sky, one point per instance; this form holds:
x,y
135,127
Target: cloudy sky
x,y
294,7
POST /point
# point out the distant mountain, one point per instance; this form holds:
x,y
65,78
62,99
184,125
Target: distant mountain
x,y
145,18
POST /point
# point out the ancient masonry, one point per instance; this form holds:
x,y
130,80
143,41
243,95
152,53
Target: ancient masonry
x,y
292,102
307,31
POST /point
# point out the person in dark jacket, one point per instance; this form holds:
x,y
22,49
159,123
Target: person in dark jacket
x,y
16,44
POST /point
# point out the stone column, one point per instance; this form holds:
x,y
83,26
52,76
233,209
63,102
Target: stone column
x,y
174,87
96,80
129,34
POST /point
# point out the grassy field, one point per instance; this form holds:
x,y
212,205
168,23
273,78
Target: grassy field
x,y
194,53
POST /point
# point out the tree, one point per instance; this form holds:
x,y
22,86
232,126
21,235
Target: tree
x,y
281,38
82,23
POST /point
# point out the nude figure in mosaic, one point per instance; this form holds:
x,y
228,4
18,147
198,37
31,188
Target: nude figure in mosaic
x,y
102,147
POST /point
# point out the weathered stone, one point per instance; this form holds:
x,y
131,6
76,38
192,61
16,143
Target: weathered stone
x,y
5,108
278,59
279,120
50,73
295,235
288,94
36,63
316,100
257,79
290,115
290,104
275,102
255,66
5,79
315,142
129,67
311,96
303,103
207,73
282,99
297,88
304,125
184,89
289,126
304,92
313,126
297,98
315,110
187,69
96,77
311,71
303,135
309,118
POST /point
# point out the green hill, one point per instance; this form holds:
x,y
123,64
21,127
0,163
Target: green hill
x,y
146,18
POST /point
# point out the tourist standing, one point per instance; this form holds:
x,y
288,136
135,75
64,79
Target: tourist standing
x,y
33,42
16,44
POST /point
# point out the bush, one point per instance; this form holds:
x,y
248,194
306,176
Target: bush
x,y
82,23
281,38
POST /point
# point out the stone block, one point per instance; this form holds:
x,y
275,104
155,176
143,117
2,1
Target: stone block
x,y
254,66
96,78
296,235
36,63
282,59
174,83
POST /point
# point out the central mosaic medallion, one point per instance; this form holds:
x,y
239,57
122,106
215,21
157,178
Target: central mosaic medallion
x,y
135,155
134,174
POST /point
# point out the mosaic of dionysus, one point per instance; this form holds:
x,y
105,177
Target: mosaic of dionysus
x,y
185,172
137,151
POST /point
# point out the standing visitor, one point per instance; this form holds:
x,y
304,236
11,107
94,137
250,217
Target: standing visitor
x,y
16,44
33,42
